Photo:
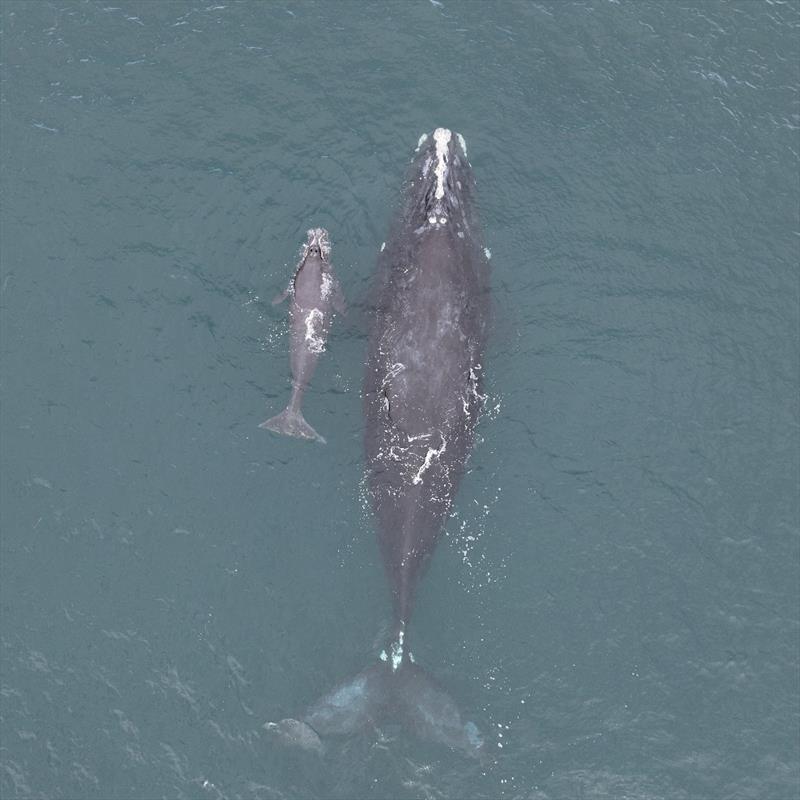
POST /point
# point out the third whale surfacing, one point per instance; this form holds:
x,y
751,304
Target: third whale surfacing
x,y
422,400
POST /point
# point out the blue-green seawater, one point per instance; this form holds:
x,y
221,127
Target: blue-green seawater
x,y
616,603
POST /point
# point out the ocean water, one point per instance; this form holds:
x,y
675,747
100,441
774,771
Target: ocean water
x,y
616,602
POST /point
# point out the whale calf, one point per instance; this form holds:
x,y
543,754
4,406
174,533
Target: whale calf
x,y
315,292
422,399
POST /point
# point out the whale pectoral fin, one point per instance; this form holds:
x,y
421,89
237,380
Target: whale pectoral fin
x,y
339,303
279,298
432,714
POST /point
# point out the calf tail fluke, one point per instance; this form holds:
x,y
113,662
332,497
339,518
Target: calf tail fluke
x,y
291,422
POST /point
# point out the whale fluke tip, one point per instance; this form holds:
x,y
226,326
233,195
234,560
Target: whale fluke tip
x,y
297,734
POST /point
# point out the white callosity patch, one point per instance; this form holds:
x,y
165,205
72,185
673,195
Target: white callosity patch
x,y
314,340
463,144
318,237
383,247
422,140
487,252
442,138
426,166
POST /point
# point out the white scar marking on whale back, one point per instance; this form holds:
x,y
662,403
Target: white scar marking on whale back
x,y
417,479
422,140
442,138
316,344
394,370
462,143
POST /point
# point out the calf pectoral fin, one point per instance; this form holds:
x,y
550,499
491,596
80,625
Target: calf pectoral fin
x,y
279,298
338,301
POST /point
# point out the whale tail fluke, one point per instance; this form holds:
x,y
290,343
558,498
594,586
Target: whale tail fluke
x,y
291,422
378,693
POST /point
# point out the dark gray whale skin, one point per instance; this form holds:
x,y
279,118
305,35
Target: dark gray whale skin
x,y
422,385
422,400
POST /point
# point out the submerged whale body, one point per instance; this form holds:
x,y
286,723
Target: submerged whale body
x,y
422,400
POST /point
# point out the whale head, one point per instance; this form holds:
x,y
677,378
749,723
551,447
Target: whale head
x,y
441,179
318,244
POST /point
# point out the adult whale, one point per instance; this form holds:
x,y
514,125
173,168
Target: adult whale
x,y
422,400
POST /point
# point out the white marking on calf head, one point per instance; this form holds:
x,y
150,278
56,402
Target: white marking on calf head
x,y
318,238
